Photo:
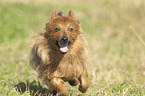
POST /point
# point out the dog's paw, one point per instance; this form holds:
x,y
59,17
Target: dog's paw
x,y
83,89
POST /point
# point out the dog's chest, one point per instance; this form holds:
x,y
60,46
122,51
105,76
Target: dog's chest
x,y
69,68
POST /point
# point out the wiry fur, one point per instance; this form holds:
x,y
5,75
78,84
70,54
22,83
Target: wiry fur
x,y
55,67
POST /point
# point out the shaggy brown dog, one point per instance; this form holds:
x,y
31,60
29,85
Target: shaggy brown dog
x,y
59,54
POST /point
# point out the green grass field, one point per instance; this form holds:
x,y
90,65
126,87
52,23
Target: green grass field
x,y
115,31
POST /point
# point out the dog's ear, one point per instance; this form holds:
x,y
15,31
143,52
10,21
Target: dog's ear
x,y
71,14
53,15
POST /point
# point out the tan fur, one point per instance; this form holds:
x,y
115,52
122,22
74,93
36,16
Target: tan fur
x,y
54,67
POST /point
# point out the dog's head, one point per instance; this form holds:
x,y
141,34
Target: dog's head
x,y
62,30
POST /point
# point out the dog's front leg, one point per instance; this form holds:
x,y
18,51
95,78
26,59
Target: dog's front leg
x,y
84,83
57,85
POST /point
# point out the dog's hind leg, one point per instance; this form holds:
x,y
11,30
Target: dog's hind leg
x,y
84,83
57,85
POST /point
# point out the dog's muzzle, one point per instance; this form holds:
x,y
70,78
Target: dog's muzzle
x,y
64,44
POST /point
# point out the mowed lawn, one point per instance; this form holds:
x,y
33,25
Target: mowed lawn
x,y
116,35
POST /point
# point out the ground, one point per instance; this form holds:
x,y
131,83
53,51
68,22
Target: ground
x,y
116,36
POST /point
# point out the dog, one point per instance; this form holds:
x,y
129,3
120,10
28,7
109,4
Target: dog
x,y
59,54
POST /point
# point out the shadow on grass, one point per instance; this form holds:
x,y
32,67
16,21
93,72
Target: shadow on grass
x,y
34,88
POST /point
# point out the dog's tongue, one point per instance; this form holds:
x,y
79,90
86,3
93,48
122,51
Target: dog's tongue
x,y
64,49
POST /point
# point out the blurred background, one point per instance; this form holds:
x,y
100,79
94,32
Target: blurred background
x,y
115,31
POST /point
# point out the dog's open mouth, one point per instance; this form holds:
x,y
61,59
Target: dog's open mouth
x,y
63,47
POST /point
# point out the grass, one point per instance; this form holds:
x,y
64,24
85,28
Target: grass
x,y
115,32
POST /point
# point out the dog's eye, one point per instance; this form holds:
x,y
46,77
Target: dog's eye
x,y
71,29
57,29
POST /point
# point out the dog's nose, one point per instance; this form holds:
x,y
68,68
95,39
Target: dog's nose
x,y
64,39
